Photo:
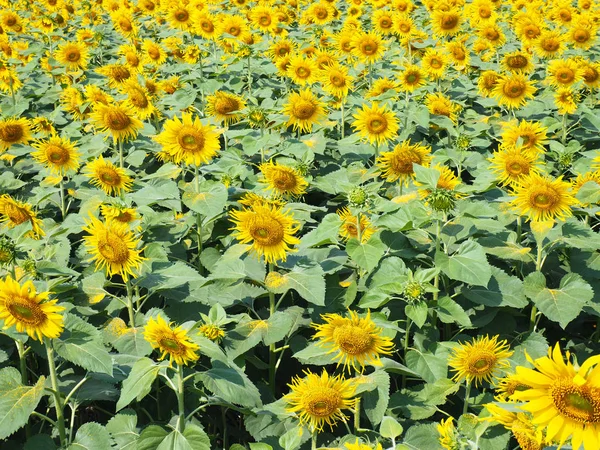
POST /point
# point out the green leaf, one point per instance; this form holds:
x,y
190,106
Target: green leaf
x,y
139,382
91,436
429,366
151,437
132,342
417,312
469,264
451,312
390,428
326,232
560,305
502,290
40,442
376,401
588,193
314,354
309,283
423,436
260,446
17,401
192,438
368,254
209,201
292,439
426,176
231,384
122,429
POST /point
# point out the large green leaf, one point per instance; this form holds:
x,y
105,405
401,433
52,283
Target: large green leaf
x,y
309,283
560,305
231,384
367,254
326,232
209,201
468,264
376,401
192,438
17,401
123,430
91,436
429,366
139,382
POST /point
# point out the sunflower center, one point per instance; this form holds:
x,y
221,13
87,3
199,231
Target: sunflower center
x,y
581,35
492,34
590,75
337,80
412,78
385,23
117,120
138,98
404,27
170,345
125,25
182,15
233,30
565,75
16,214
321,13
226,105
377,124
516,168
459,54
565,15
517,62
73,55
435,63
57,155
550,45
109,176
485,12
304,109
353,340
285,181
267,231
482,362
11,132
265,20
403,163
579,403
113,248
121,73
532,31
449,21
321,401
302,72
514,89
132,59
351,228
25,311
11,21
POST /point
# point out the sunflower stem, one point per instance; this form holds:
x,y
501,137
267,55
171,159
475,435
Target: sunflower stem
x,y
272,352
130,304
563,139
519,230
23,368
342,118
63,209
538,268
357,428
58,404
180,399
121,160
313,440
406,344
467,395
436,279
358,228
198,219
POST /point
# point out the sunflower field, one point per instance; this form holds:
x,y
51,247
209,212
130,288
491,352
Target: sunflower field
x,y
299,224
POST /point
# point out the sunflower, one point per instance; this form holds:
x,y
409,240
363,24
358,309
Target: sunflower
x,y
543,199
226,108
319,13
58,154
563,73
356,341
479,360
187,140
566,100
108,177
528,30
458,53
403,25
359,446
434,63
304,110
73,55
349,228
211,331
124,24
268,229
448,438
336,81
382,22
119,213
43,125
302,71
593,177
582,34
376,124
528,136
113,246
512,164
367,47
179,16
138,100
513,90
233,29
14,131
381,86
446,23
153,53
590,71
440,105
563,400
488,79
14,212
398,164
524,431
492,33
251,199
118,119
549,44
319,400
281,48
411,78
508,385
283,180
264,18
204,24
518,61
117,74
174,342
29,311
94,95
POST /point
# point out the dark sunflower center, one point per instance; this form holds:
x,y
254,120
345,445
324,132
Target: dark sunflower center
x,y
449,21
27,312
353,340
377,124
267,231
304,110
182,15
16,214
578,403
550,45
517,62
11,132
57,155
581,35
113,249
169,344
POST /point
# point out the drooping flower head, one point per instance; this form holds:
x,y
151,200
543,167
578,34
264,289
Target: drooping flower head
x,y
172,342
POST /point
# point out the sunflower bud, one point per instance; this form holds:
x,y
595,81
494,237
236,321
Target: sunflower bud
x,y
463,142
29,266
257,118
212,332
565,161
414,291
7,251
358,197
442,200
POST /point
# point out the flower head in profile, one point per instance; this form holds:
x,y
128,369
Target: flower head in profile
x,y
398,164
225,107
319,399
349,229
14,131
358,445
356,341
482,359
448,435
14,212
304,110
29,311
172,342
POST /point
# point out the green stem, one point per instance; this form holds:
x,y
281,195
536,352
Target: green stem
x,y
225,434
406,344
121,159
313,440
467,395
357,428
272,352
436,280
22,361
358,227
538,268
180,399
130,304
63,209
198,220
342,120
563,139
519,230
58,404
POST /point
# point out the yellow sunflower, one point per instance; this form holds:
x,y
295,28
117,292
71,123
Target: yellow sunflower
x,y
14,212
542,198
446,22
528,135
356,341
211,331
119,213
487,82
441,105
118,119
74,55
513,90
512,164
304,110
368,47
563,400
480,360
434,63
448,438
29,311
359,446
154,54
566,100
398,164
225,107
518,61
319,400
336,81
590,71
108,177
520,423
582,33
458,53
302,71
233,29
383,22
549,44
381,86
320,13
138,100
563,73
179,16
251,199
173,342
113,247
349,229
268,229
14,131
375,123
58,154
283,180
593,177
187,140
117,74
411,78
